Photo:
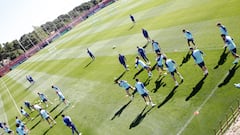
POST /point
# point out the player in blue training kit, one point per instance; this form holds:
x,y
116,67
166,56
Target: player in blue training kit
x,y
143,92
132,18
198,58
159,60
122,59
43,98
231,46
145,34
142,53
124,84
222,28
90,54
45,115
156,47
143,65
68,122
189,37
171,66
56,88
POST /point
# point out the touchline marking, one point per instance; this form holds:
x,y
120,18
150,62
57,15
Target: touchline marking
x,y
201,106
10,96
3,111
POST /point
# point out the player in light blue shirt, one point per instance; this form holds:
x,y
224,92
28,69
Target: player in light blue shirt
x,y
189,37
231,46
143,65
45,115
198,58
143,92
124,84
222,28
156,47
171,66
159,60
43,98
56,88
21,130
61,97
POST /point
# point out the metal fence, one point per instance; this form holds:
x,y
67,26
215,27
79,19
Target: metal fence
x,y
229,119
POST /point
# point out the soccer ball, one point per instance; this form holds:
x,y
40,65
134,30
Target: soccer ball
x,y
114,46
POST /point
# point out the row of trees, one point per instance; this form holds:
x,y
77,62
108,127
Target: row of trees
x,y
15,48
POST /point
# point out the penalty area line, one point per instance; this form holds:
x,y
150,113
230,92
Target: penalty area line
x,y
204,102
3,84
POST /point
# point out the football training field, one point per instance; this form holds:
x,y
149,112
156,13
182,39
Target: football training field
x,y
98,106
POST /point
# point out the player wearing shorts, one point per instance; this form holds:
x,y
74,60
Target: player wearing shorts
x,y
124,84
45,115
231,47
189,37
198,58
68,122
142,53
159,60
171,66
143,92
143,65
156,47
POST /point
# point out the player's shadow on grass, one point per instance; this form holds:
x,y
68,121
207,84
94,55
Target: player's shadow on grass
x,y
154,66
147,81
170,95
196,88
35,125
222,58
145,46
158,84
140,71
140,117
55,107
186,58
131,27
88,64
120,76
229,76
119,112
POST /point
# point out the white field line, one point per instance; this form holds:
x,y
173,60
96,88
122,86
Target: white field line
x,y
201,106
3,84
3,113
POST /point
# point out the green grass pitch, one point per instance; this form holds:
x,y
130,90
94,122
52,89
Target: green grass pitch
x,y
98,106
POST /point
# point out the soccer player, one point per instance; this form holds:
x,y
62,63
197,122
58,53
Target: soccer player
x,y
68,122
24,113
159,60
189,37
143,65
43,98
30,79
56,88
28,105
122,59
61,97
20,130
156,47
171,66
222,28
198,58
142,53
143,92
7,129
231,46
90,54
124,84
45,115
145,34
132,18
